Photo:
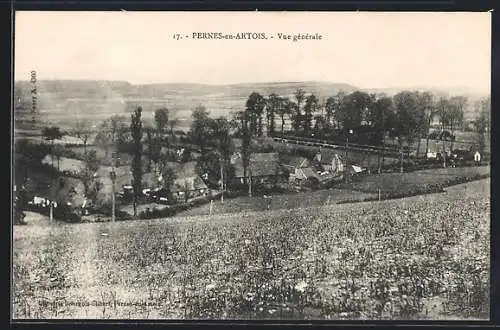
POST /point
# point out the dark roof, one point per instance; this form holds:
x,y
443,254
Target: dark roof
x,y
293,161
187,169
261,164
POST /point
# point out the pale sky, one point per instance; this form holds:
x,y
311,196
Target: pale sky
x,y
365,49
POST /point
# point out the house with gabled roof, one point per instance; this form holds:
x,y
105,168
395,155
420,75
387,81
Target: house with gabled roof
x,y
185,188
263,168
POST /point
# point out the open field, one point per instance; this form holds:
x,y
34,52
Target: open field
x,y
403,182
423,257
317,198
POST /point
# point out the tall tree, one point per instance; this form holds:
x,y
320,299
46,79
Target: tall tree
x,y
330,108
457,108
273,106
88,175
310,107
161,120
443,112
482,124
255,105
428,104
338,105
136,130
379,114
410,116
245,131
52,133
200,128
221,132
150,145
167,177
352,110
285,109
380,117
300,96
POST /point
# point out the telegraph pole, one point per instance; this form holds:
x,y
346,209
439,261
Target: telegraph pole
x,y
346,171
113,194
51,211
444,152
249,182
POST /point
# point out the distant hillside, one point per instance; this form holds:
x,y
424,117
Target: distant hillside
x,y
61,101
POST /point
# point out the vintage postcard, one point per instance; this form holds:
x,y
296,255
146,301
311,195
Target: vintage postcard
x,y
251,166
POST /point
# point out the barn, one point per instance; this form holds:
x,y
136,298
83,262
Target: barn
x,y
263,168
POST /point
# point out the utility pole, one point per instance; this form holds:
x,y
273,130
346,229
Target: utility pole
x,y
249,183
113,194
346,170
444,153
51,211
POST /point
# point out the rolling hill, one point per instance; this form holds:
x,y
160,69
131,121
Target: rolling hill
x,y
61,100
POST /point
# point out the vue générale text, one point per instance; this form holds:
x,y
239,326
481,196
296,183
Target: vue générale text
x,y
254,36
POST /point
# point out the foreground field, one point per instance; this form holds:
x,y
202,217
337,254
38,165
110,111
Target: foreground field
x,y
424,257
317,198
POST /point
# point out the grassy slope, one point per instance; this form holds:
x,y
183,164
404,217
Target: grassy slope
x,y
394,182
185,266
356,191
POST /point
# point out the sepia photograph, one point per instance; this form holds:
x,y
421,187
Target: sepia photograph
x,y
251,166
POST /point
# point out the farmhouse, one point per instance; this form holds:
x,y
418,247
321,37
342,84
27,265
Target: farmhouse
x,y
263,168
189,187
187,182
298,168
329,161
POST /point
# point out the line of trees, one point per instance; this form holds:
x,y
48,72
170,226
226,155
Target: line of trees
x,y
406,116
